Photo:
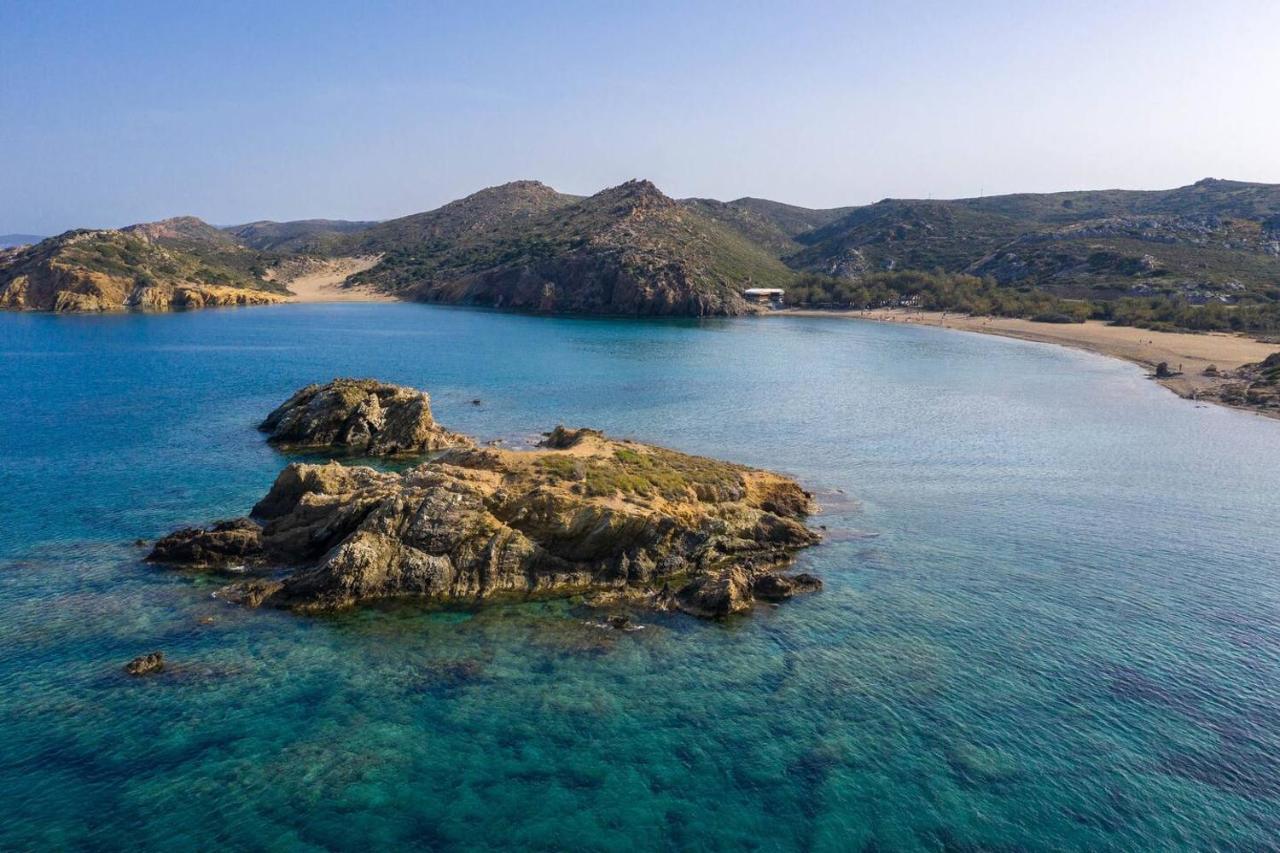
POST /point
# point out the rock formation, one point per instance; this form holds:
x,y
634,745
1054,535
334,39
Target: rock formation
x,y
145,664
360,415
581,514
1252,386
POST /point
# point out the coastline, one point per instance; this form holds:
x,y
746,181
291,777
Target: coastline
x,y
1187,352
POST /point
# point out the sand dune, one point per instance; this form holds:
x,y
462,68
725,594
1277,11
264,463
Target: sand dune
x,y
321,280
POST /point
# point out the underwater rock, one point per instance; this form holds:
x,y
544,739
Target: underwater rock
x,y
145,664
777,587
581,514
360,415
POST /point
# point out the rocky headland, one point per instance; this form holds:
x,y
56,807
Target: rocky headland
x,y
141,268
618,521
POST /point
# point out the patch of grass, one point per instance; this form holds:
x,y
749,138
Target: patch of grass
x,y
656,473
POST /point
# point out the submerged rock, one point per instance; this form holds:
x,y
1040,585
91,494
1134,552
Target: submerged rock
x,y
145,664
360,415
583,513
777,587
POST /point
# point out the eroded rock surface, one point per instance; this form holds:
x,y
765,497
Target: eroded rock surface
x,y
360,415
583,513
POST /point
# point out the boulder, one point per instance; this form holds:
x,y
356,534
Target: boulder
x,y
717,594
361,416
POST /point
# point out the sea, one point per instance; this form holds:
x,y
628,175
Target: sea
x,y
1050,617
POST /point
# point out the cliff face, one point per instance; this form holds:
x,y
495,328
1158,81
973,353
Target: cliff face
x,y
114,271
581,514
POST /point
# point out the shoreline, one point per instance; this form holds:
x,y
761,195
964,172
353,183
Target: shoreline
x,y
1187,352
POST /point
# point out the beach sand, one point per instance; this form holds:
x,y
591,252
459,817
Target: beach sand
x,y
1187,352
320,280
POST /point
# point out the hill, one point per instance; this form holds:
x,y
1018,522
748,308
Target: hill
x,y
172,264
1122,255
626,250
1211,241
769,224
494,208
299,236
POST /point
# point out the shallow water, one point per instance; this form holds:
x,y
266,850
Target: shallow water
x,y
1051,617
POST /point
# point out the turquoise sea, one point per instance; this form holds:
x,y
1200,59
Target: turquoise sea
x,y
1051,618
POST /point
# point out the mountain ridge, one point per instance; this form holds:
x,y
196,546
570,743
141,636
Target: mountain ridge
x,y
631,249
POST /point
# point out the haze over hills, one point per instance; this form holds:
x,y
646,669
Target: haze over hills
x,y
631,249
8,241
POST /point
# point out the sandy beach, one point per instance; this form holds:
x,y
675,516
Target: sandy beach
x,y
320,280
1187,352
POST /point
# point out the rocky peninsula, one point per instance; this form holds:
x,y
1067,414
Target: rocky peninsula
x,y
618,521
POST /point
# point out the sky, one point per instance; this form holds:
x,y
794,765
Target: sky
x,y
120,112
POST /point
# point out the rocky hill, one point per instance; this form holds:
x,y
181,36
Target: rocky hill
x,y
181,263
1211,241
627,522
626,250
299,236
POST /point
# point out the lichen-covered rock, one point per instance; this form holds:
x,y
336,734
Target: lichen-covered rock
x,y
360,415
586,514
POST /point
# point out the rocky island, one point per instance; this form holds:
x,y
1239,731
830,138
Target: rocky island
x,y
580,514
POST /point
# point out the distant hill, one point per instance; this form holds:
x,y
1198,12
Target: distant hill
x,y
299,236
181,262
626,250
489,210
1211,241
770,224
8,241
632,250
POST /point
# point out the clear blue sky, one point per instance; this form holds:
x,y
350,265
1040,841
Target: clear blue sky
x,y
116,112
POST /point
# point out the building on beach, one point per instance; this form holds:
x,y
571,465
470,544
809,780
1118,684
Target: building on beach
x,y
771,296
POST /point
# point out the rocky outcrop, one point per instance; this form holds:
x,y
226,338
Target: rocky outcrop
x,y
145,664
1251,386
582,514
360,415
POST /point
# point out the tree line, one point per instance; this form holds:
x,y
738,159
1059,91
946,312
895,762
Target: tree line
x,y
982,296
